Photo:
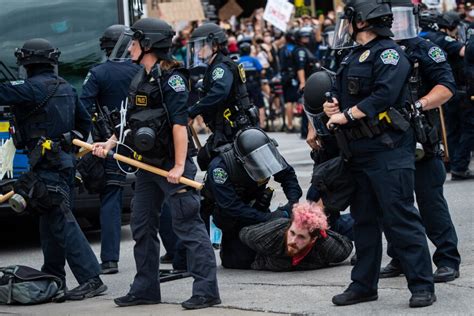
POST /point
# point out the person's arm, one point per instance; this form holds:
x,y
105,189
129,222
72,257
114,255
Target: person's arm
x,y
19,92
227,198
264,238
289,183
333,249
222,79
175,95
90,91
300,62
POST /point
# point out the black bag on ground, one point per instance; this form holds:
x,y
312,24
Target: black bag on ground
x,y
92,172
25,285
334,182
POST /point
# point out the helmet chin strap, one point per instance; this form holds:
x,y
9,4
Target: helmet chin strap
x,y
356,30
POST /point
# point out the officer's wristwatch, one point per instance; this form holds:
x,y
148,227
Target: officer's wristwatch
x,y
348,114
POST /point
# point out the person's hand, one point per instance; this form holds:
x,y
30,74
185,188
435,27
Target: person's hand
x,y
336,119
175,173
331,108
312,139
102,148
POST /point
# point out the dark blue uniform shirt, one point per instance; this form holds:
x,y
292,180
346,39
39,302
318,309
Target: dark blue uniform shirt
x,y
107,84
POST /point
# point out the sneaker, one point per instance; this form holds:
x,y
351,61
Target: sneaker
x,y
422,299
130,300
460,175
166,258
197,302
109,267
391,270
88,289
351,297
445,274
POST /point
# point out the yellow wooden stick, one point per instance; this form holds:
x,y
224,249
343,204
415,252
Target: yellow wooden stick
x,y
141,165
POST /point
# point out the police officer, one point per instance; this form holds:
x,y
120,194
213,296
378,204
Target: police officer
x,y
289,78
370,91
469,62
45,108
459,116
237,182
156,124
431,85
104,89
305,65
225,105
253,71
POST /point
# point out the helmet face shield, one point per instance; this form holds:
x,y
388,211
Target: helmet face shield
x,y
199,52
405,24
342,37
120,51
263,162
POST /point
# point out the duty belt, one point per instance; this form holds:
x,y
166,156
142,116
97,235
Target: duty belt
x,y
363,130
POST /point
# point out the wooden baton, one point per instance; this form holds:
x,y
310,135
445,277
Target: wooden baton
x,y
141,165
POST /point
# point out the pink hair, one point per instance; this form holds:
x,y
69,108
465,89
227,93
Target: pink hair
x,y
310,216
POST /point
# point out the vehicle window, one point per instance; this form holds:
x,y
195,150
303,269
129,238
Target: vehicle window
x,y
74,26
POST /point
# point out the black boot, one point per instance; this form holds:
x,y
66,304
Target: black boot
x,y
391,270
109,267
351,297
88,289
422,299
130,300
197,302
445,274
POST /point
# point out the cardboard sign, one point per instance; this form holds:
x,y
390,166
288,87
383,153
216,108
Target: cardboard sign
x,y
230,9
278,13
175,11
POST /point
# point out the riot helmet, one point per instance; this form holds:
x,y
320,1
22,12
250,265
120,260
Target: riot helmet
x,y
258,154
448,20
200,47
304,32
37,51
405,24
328,36
153,35
110,37
428,19
377,13
317,85
290,35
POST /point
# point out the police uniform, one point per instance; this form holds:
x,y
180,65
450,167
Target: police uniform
x,y
253,70
217,106
106,85
459,118
469,63
169,93
288,73
236,195
432,68
373,77
61,237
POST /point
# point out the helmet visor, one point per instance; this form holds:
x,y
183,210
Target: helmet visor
x,y
342,37
120,51
263,162
405,24
316,120
199,52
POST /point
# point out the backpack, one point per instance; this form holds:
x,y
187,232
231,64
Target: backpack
x,y
25,285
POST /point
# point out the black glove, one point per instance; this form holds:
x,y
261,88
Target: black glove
x,y
279,214
288,207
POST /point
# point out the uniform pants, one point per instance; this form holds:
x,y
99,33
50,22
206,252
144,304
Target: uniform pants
x,y
111,212
235,254
173,246
384,199
429,179
460,133
150,192
61,237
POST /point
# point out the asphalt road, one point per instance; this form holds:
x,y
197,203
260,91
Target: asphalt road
x,y
252,292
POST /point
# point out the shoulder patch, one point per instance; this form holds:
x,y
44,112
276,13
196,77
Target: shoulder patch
x,y
219,175
390,57
364,56
218,73
177,83
301,53
87,78
437,54
17,82
448,38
